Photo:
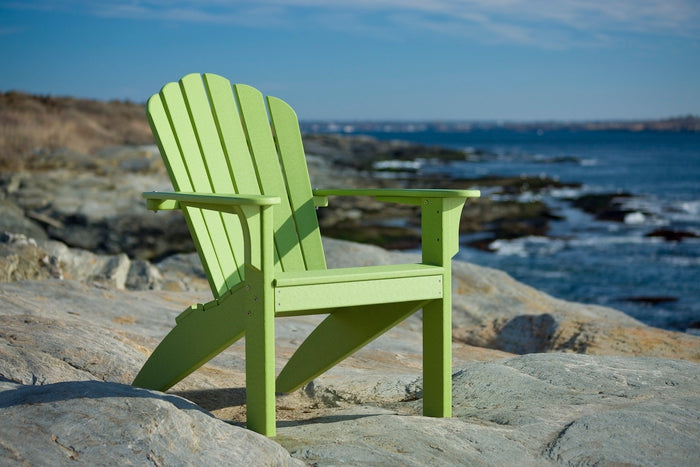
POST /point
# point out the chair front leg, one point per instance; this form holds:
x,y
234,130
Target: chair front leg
x,y
437,359
440,242
260,327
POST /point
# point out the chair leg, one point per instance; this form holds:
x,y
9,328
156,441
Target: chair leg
x,y
195,340
260,367
439,221
437,358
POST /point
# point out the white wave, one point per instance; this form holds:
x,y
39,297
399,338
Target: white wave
x,y
509,248
528,196
394,164
691,207
565,193
684,211
607,240
635,218
681,261
526,246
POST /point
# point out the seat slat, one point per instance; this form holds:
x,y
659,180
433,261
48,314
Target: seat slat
x,y
389,271
262,147
357,293
159,117
296,174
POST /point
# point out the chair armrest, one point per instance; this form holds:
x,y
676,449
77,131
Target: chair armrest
x,y
440,214
161,200
399,195
254,211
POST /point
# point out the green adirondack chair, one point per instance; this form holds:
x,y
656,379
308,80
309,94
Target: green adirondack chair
x,y
240,178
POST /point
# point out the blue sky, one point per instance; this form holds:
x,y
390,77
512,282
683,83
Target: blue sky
x,y
372,59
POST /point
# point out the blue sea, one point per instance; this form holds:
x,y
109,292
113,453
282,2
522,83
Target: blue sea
x,y
583,259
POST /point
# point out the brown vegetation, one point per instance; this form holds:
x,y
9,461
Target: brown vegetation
x,y
32,124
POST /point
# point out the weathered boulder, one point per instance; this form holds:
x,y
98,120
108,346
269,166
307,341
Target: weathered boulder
x,y
97,423
21,258
25,258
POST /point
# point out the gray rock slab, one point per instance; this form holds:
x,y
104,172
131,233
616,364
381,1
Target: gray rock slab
x,y
539,409
38,350
588,410
149,314
13,219
375,436
97,423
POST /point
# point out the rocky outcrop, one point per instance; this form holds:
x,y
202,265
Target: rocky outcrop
x,y
67,349
94,202
537,380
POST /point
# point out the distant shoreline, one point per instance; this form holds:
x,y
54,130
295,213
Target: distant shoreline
x,y
685,124
18,100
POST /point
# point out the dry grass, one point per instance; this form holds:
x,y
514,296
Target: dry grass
x,y
31,124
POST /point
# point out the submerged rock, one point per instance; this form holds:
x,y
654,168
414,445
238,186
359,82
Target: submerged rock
x,y
651,300
671,235
605,206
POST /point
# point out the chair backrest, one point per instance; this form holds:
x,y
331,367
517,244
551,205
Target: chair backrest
x,y
215,138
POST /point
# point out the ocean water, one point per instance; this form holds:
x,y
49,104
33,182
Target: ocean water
x,y
583,259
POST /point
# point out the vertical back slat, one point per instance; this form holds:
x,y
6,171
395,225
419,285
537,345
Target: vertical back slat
x,y
233,139
160,120
296,174
262,147
186,137
218,173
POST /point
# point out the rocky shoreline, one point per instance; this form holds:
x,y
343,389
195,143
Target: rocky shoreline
x,y
93,202
90,282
